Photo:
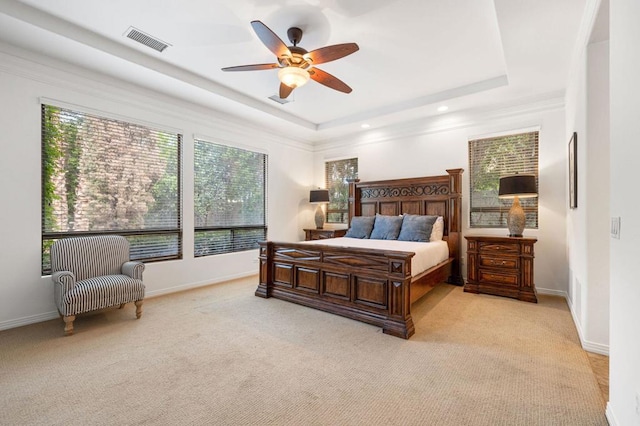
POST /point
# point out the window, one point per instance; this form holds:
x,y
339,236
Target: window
x,y
337,176
103,176
230,199
494,157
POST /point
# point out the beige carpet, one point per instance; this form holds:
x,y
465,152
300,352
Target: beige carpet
x,y
221,356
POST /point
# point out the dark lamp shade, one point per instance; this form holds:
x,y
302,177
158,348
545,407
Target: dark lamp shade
x,y
522,186
319,196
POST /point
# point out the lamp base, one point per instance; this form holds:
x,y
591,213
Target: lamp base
x,y
516,219
319,217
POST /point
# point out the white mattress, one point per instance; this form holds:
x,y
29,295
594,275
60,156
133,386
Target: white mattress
x,y
426,256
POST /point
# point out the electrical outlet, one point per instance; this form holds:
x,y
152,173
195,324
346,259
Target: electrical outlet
x,y
615,228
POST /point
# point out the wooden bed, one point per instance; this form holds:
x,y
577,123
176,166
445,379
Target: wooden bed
x,y
373,286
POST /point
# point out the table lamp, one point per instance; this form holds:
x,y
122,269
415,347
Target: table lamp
x,y
320,197
517,186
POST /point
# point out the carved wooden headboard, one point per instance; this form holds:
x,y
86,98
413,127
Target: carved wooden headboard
x,y
431,195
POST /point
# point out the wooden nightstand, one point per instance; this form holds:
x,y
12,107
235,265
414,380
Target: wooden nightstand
x,y
502,266
321,234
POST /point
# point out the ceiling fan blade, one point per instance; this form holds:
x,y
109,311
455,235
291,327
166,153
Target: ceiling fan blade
x,y
331,53
328,80
270,39
254,67
285,91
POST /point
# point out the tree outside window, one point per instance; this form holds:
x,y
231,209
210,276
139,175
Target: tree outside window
x,y
337,176
230,198
491,158
102,176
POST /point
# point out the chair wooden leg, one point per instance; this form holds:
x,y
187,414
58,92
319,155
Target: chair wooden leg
x,y
138,308
68,324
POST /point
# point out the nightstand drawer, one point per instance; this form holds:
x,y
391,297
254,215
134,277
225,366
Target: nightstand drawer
x,y
499,262
492,277
502,248
322,234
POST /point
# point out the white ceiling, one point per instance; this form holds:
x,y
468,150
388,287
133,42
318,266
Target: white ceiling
x,y
415,55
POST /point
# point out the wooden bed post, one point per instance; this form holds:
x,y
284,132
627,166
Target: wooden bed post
x,y
455,224
351,200
399,322
265,285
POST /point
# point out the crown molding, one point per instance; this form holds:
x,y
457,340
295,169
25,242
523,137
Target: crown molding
x,y
457,92
59,26
46,70
447,122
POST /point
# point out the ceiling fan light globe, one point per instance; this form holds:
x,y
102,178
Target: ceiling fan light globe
x,y
293,76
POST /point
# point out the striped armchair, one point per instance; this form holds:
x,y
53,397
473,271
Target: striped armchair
x,y
91,273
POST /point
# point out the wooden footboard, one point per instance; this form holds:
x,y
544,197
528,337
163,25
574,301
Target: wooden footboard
x,y
366,285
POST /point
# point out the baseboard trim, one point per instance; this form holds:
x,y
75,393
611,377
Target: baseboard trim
x,y
597,348
46,316
552,292
588,346
189,286
19,322
609,415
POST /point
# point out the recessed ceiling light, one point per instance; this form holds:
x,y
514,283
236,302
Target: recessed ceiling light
x,y
443,108
365,126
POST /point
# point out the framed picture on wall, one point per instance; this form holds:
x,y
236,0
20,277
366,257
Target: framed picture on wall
x,y
573,171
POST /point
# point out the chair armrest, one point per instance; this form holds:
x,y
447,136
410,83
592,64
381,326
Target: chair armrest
x,y
65,280
133,269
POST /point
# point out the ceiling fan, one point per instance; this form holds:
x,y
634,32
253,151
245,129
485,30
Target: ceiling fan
x,y
295,63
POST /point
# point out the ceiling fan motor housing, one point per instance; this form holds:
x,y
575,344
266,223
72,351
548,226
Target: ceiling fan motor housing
x,y
297,58
295,35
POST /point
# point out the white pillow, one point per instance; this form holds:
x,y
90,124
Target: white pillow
x,y
437,232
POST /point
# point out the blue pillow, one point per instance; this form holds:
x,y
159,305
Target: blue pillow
x,y
361,227
386,227
416,228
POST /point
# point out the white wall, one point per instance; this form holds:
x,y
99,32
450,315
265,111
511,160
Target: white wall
x,y
597,171
624,378
27,297
587,114
576,119
431,147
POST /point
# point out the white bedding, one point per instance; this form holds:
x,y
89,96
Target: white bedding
x,y
426,256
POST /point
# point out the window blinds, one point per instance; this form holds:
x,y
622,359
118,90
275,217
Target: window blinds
x,y
104,176
491,158
337,176
230,198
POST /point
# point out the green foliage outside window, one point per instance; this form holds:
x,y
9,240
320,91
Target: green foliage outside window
x,y
491,158
337,176
230,198
105,176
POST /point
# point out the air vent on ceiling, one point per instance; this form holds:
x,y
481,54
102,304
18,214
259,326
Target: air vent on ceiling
x,y
147,40
278,99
